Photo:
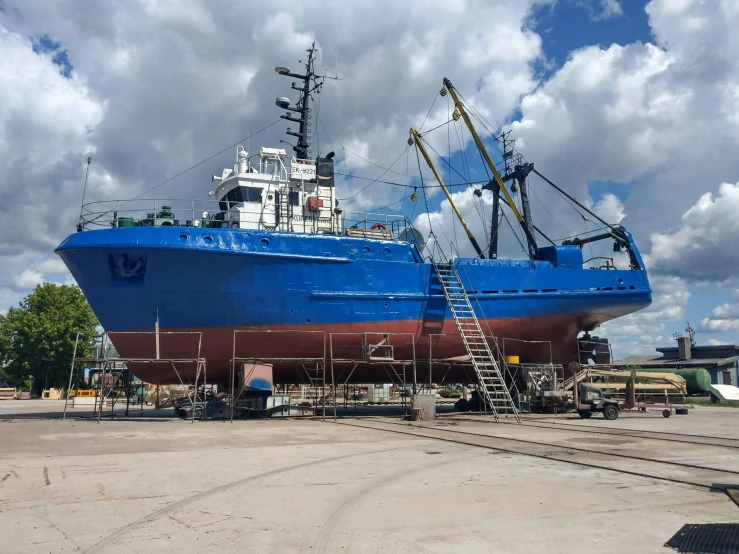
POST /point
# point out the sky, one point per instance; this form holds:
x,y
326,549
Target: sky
x,y
631,106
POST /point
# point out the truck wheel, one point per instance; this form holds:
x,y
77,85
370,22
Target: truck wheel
x,y
665,413
585,414
610,412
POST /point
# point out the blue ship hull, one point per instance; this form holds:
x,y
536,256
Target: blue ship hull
x,y
215,281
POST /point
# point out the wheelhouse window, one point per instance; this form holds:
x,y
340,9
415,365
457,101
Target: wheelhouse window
x,y
252,194
240,194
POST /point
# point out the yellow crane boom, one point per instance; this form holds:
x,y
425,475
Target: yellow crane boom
x,y
481,147
458,104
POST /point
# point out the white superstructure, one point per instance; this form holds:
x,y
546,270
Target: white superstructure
x,y
278,193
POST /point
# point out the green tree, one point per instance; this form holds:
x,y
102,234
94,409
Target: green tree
x,y
37,338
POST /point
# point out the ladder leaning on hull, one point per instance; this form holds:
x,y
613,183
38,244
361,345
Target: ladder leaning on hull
x,y
487,369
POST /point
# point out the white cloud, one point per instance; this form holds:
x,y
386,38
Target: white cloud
x,y
720,325
725,311
703,246
610,208
660,118
597,117
46,121
715,342
641,332
25,271
724,318
46,126
598,10
28,279
44,115
607,9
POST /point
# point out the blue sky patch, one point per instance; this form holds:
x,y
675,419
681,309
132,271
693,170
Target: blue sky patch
x,y
597,189
569,25
44,44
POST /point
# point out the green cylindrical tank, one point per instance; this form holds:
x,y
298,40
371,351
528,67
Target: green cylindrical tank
x,y
697,379
126,222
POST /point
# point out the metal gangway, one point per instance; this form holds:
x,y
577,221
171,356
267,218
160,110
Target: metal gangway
x,y
487,369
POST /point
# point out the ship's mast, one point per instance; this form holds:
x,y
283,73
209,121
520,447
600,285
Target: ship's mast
x,y
517,170
302,108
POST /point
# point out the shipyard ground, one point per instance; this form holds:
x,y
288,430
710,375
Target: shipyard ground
x,y
156,484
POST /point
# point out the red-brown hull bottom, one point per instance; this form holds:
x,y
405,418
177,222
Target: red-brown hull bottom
x,y
343,342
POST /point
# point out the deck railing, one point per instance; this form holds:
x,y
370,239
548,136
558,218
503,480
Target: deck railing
x,y
393,225
145,212
208,213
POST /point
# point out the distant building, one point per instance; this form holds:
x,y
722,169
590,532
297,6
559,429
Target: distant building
x,y
722,360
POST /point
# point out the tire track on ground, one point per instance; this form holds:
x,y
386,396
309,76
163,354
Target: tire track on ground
x,y
153,516
323,541
709,479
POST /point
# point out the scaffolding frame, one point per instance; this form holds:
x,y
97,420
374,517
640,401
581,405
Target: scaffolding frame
x,y
107,363
368,348
466,365
325,361
254,359
328,361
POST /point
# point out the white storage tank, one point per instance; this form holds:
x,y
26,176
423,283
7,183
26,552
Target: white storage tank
x,y
378,393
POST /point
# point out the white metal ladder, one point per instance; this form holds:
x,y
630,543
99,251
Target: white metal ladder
x,y
487,369
283,205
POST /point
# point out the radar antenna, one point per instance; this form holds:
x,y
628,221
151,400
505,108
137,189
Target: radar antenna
x,y
689,332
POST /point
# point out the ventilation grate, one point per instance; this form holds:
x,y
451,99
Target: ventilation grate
x,y
709,538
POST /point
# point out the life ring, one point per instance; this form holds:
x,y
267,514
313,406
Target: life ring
x,y
379,226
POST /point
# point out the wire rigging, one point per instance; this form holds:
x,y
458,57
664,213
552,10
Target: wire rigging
x,y
387,170
450,165
428,112
203,161
402,207
331,142
378,178
451,180
434,128
469,179
394,203
532,189
188,169
426,201
466,183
